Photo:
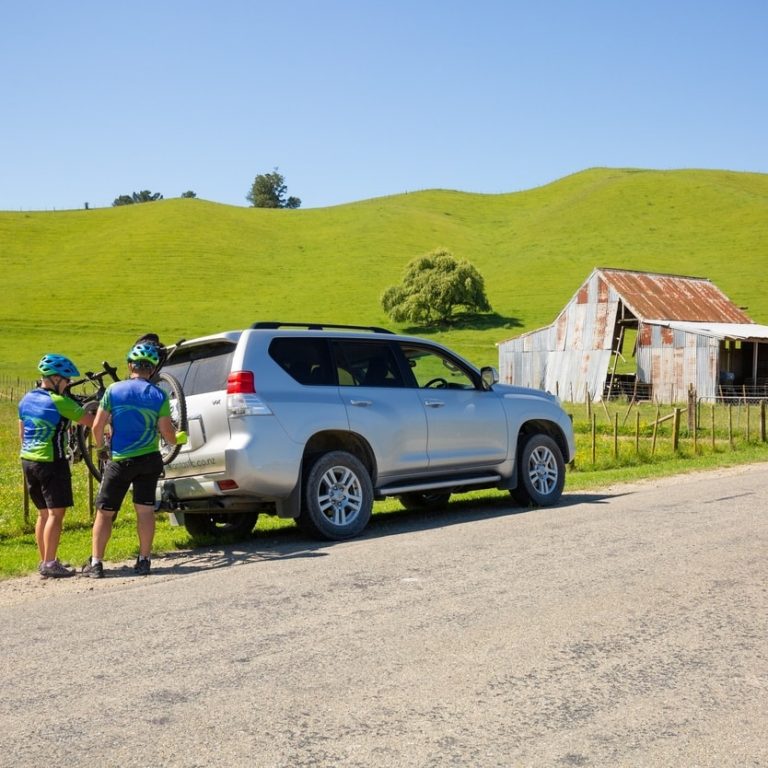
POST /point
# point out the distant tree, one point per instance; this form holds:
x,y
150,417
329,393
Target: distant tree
x,y
269,191
145,196
189,194
433,288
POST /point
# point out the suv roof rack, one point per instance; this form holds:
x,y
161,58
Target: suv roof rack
x,y
272,324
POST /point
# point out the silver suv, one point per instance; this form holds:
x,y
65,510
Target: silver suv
x,y
315,422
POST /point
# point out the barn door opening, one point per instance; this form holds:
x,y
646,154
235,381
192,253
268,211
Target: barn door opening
x,y
623,381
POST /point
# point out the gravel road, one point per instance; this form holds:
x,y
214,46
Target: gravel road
x,y
627,627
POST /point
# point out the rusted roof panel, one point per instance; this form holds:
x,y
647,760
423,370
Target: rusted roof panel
x,y
672,297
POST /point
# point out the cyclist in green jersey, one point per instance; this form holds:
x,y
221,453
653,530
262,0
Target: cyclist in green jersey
x,y
44,416
138,412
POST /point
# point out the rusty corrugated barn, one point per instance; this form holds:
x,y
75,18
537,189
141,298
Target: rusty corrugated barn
x,y
681,331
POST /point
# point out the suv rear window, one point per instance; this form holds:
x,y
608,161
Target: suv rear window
x,y
202,369
305,360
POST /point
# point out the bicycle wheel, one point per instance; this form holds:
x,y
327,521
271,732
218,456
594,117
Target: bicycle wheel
x,y
88,452
73,449
172,386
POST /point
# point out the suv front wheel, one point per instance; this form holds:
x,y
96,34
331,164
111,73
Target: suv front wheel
x,y
337,497
541,472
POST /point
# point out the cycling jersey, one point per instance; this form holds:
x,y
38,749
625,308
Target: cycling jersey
x,y
135,406
46,416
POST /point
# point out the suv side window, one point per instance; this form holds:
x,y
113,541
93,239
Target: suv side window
x,y
202,369
366,364
432,368
305,360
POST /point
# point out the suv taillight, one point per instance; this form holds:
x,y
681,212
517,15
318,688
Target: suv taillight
x,y
242,399
241,383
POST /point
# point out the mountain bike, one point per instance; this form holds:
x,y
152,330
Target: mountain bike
x,y
88,392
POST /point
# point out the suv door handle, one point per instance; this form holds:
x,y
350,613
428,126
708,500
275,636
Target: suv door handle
x,y
434,403
361,403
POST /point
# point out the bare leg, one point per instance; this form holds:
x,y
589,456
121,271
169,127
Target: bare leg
x,y
42,519
145,525
102,530
52,533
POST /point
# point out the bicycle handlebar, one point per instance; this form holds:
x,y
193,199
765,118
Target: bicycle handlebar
x,y
94,378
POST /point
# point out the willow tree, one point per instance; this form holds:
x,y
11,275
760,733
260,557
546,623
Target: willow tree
x,y
434,288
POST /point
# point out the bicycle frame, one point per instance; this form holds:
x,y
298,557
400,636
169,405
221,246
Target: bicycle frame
x,y
80,445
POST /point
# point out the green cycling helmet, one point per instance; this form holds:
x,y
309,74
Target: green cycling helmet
x,y
57,365
144,353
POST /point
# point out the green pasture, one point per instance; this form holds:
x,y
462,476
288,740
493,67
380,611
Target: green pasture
x,y
87,283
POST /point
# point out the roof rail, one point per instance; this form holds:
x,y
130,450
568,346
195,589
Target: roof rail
x,y
272,324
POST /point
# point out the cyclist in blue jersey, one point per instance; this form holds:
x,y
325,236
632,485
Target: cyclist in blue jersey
x,y
138,412
44,416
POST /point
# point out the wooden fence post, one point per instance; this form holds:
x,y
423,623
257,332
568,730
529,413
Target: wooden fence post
x,y
676,429
637,432
655,429
762,421
691,408
749,430
730,425
695,441
593,438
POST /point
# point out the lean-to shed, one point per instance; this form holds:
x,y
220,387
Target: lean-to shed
x,y
681,331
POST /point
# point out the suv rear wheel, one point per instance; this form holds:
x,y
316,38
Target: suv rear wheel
x,y
541,472
220,524
337,497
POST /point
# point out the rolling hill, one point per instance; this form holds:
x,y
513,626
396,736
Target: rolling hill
x,y
88,282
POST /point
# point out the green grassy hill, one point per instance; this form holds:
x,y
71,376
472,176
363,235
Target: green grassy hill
x,y
87,283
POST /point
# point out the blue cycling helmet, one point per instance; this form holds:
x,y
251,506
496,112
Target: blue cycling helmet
x,y
57,365
144,353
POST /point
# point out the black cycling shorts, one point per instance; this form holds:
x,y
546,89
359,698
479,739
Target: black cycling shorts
x,y
49,483
141,472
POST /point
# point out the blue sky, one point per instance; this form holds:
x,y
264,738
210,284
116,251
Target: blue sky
x,y
353,100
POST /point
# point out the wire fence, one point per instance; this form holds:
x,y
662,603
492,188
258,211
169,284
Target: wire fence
x,y
13,388
611,433
628,388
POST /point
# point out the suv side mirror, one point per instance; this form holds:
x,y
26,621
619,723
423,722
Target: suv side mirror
x,y
489,376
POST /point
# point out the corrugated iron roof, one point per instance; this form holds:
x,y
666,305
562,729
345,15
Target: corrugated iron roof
x,y
738,331
672,297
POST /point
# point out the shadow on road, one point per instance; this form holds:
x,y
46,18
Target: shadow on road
x,y
290,542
